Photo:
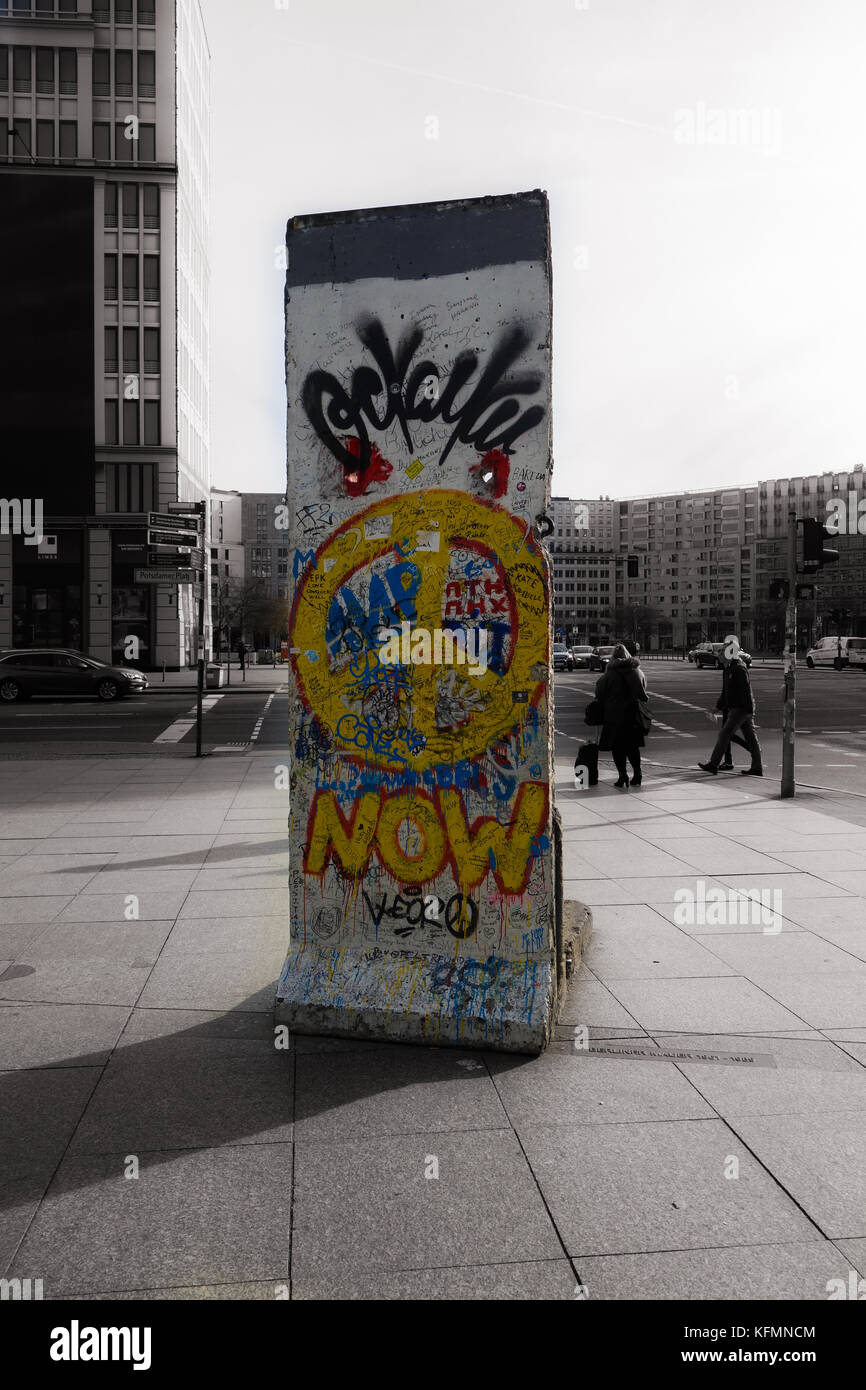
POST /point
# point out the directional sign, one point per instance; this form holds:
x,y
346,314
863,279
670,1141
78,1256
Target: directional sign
x,y
183,509
178,559
182,538
164,576
167,521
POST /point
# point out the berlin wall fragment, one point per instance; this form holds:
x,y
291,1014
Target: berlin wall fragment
x,y
418,356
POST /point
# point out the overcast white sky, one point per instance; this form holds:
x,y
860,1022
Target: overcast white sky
x,y
709,303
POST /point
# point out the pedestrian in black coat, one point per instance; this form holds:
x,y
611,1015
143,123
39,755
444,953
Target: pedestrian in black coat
x,y
737,705
620,691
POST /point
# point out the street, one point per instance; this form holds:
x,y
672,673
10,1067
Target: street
x,y
831,720
155,720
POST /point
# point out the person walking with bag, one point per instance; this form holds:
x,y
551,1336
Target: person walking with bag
x,y
621,693
737,704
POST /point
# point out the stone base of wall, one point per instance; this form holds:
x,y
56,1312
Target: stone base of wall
x,y
506,1005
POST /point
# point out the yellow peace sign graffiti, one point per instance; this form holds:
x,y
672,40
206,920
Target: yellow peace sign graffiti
x,y
421,551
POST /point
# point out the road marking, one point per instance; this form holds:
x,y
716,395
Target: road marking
x,y
657,695
261,719
680,733
182,725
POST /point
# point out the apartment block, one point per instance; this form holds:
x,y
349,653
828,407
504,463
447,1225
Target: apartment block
x,y
684,567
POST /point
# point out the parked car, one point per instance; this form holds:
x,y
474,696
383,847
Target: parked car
x,y
710,654
57,671
561,657
600,657
580,657
838,652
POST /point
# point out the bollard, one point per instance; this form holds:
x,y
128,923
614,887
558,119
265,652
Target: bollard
x,y
421,863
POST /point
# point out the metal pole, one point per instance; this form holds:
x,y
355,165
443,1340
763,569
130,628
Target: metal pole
x,y
789,713
198,707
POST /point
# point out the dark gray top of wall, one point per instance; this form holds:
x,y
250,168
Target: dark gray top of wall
x,y
415,241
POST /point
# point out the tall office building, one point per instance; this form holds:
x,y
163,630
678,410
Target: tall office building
x,y
104,284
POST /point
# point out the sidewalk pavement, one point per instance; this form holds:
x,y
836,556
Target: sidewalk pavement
x,y
158,1144
257,678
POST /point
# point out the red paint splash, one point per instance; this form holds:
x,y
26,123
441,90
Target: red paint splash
x,y
377,469
495,464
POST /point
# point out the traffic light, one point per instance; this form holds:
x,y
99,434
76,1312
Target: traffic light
x,y
840,616
779,591
632,567
815,553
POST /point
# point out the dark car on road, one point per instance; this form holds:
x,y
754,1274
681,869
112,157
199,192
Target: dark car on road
x,y
580,656
710,654
599,658
561,657
56,672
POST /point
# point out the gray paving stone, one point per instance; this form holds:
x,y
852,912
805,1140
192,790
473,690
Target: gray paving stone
x,y
70,980
823,1166
40,1111
145,1024
64,1035
651,952
393,1092
823,1001
579,1088
589,1003
704,1005
760,957
189,1092
122,941
268,902
540,1279
793,1271
194,934
210,1293
112,907
18,910
855,1251
242,979
364,1205
616,1189
140,881
191,1218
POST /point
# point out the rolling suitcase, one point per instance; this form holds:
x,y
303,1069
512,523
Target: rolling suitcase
x,y
586,766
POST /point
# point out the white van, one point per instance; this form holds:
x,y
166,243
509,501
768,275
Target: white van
x,y
838,652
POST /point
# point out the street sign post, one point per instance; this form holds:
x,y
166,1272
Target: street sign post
x,y
161,557
167,521
182,529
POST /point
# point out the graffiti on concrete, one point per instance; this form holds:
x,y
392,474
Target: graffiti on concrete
x,y
421,855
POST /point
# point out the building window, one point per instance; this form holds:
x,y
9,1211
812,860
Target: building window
x,y
68,72
110,351
102,152
130,205
152,434
146,73
110,218
4,69
130,279
123,11
130,422
68,140
146,12
147,143
101,71
124,145
102,11
130,349
151,279
21,139
111,422
45,70
151,351
44,139
21,80
110,263
150,198
123,72
130,487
